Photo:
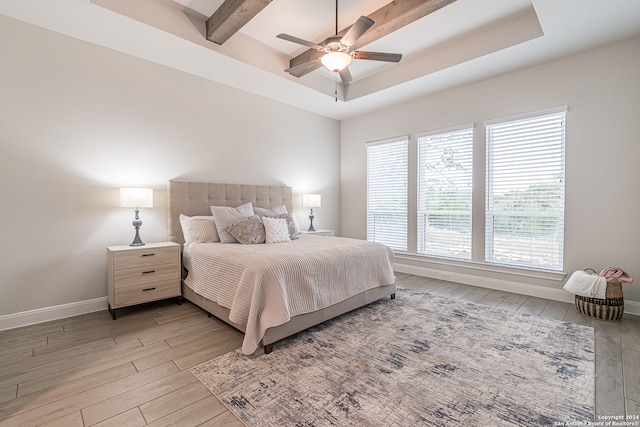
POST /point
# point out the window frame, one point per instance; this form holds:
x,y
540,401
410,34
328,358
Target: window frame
x,y
531,246
460,139
479,259
397,236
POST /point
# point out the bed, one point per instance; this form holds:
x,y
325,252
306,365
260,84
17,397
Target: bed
x,y
270,292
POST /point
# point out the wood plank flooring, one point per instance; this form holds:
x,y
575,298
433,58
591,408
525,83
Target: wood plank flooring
x,y
92,371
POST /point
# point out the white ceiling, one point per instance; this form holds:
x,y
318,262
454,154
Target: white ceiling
x,y
466,41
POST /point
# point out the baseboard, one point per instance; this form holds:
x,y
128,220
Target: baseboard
x,y
630,307
40,315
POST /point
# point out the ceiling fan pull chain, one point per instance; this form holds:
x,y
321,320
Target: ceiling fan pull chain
x,y
336,89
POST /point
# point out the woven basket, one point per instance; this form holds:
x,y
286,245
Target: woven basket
x,y
610,308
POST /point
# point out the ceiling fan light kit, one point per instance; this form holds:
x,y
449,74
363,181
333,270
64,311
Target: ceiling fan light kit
x,y
336,61
339,49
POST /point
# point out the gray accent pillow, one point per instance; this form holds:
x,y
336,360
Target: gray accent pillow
x,y
248,231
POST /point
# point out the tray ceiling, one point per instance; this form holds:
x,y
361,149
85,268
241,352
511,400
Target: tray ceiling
x,y
463,42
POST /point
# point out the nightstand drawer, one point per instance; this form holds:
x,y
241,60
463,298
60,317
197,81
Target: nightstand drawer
x,y
145,257
147,292
146,274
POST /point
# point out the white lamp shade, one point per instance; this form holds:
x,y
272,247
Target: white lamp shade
x,y
311,200
336,61
136,197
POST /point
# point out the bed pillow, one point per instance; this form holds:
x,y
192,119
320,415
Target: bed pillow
x,y
291,225
296,224
198,229
248,230
224,215
282,209
276,230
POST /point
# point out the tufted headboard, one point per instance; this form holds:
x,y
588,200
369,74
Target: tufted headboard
x,y
195,198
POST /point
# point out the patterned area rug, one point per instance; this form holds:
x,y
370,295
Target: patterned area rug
x,y
416,360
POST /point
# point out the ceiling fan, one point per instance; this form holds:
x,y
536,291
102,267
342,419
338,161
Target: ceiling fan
x,y
339,49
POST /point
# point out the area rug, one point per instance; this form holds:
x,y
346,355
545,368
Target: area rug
x,y
416,360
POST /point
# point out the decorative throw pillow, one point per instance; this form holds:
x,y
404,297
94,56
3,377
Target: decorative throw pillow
x,y
248,231
282,209
223,215
276,230
291,225
198,229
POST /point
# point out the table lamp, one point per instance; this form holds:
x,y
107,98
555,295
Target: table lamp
x,y
136,198
311,201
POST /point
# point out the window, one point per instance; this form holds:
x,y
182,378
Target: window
x,y
525,191
387,179
520,209
445,172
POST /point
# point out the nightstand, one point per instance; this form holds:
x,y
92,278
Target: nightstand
x,y
319,232
139,274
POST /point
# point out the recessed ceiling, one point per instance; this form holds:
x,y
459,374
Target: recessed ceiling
x,y
463,42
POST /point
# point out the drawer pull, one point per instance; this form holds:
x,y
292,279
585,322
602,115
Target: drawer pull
x,y
148,289
148,272
148,254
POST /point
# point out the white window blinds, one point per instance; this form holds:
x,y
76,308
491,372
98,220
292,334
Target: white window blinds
x,y
387,180
525,191
445,178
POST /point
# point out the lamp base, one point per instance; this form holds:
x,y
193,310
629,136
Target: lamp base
x,y
137,241
311,222
137,222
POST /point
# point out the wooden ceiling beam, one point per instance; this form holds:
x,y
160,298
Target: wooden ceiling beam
x,y
231,16
388,19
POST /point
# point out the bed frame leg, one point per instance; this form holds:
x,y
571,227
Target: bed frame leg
x,y
393,295
268,348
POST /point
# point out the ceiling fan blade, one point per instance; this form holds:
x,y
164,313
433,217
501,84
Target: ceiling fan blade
x,y
345,75
359,28
293,39
378,56
300,69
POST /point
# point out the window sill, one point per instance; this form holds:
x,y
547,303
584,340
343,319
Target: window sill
x,y
484,267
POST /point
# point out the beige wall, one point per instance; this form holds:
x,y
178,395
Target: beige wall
x,y
602,90
78,121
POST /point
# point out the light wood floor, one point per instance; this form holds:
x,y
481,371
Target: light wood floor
x,y
134,371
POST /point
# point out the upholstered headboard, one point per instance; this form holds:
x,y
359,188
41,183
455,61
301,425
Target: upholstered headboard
x,y
195,198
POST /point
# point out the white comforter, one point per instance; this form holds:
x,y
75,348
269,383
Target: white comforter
x,y
265,285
